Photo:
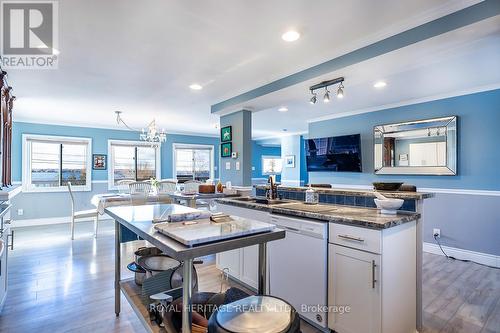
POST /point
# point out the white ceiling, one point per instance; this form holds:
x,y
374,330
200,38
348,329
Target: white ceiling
x,y
141,57
460,62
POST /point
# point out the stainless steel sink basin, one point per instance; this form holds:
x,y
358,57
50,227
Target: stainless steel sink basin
x,y
264,201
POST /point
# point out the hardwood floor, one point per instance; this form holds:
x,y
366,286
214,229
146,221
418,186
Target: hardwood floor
x,y
61,286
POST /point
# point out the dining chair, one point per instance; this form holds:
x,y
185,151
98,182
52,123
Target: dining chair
x,y
167,186
192,186
123,185
139,192
81,214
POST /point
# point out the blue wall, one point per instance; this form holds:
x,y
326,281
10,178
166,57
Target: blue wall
x,y
478,141
257,152
100,139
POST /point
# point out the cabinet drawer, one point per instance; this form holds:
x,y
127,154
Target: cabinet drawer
x,y
355,237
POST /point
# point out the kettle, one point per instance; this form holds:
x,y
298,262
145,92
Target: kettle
x,y
312,196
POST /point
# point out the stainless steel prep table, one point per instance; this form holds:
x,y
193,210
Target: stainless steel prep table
x,y
138,219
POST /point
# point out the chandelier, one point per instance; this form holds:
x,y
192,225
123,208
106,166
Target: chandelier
x,y
152,136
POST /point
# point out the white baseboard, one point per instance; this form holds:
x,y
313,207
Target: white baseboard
x,y
53,220
479,257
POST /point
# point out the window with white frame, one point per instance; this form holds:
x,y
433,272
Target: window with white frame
x,y
271,165
50,162
193,162
131,160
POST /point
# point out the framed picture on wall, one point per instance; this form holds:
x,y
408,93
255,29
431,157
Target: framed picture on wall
x,y
290,161
226,149
226,134
99,162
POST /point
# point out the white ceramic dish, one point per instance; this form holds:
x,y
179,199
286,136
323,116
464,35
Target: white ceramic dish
x,y
389,206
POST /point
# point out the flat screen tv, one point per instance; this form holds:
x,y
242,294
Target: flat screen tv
x,y
338,153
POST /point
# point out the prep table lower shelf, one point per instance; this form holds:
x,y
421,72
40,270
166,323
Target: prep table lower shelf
x,y
133,294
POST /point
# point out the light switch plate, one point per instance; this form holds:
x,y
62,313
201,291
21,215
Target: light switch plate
x,y
228,165
237,165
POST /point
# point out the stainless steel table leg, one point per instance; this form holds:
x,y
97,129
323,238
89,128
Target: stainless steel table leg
x,y
117,268
262,269
192,203
187,292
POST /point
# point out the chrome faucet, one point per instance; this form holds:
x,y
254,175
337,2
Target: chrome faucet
x,y
273,190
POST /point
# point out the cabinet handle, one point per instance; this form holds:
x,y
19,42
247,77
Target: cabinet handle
x,y
291,229
357,239
11,235
373,274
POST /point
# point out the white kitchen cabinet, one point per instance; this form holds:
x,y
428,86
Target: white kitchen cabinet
x,y
249,273
353,281
229,260
242,263
374,273
4,237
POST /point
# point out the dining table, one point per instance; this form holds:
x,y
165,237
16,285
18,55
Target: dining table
x,y
102,201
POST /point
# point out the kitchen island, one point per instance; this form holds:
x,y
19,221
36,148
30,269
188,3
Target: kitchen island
x,y
335,255
138,219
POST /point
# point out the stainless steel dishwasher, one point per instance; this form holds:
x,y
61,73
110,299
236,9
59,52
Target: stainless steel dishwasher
x,y
298,267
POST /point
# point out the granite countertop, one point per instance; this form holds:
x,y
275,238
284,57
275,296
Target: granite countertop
x,y
355,192
356,216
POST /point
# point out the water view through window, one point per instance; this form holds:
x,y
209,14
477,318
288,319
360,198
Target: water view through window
x,y
130,162
55,164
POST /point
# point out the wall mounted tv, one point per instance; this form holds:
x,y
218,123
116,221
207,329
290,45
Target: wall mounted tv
x,y
338,153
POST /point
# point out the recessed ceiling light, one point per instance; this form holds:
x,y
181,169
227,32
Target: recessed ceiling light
x,y
196,86
380,84
290,36
283,109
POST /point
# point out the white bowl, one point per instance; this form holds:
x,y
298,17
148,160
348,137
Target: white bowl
x,y
389,206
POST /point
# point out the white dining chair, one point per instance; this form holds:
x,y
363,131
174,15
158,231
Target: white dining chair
x,y
81,214
167,186
123,185
139,192
192,186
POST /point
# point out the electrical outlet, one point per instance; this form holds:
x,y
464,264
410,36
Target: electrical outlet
x,y
20,212
436,232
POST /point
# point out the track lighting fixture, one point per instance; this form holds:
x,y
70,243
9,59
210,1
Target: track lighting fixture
x,y
313,98
325,85
340,91
326,98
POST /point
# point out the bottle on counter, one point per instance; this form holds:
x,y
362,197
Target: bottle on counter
x,y
312,196
220,188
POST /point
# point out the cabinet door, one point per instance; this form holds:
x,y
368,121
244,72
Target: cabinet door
x,y
3,268
250,265
231,261
353,281
242,263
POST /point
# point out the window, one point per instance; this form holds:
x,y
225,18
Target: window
x,y
271,165
50,162
130,160
193,162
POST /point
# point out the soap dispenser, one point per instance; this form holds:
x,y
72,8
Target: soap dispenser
x,y
311,196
